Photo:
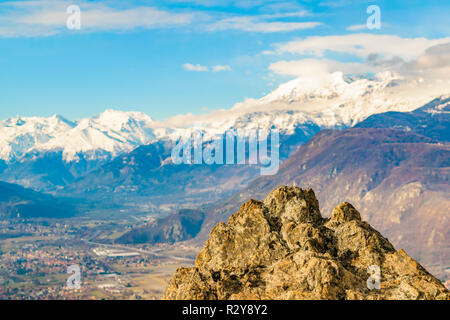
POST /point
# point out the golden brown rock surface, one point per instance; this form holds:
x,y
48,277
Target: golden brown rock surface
x,y
282,248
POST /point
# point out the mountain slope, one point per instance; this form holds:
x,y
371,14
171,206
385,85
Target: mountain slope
x,y
16,201
432,120
282,248
180,226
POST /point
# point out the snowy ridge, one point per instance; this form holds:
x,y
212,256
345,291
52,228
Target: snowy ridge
x,y
112,131
18,135
440,105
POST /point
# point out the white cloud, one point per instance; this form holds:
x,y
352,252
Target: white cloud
x,y
104,18
415,59
219,68
357,27
49,17
335,3
434,63
243,4
360,45
46,17
256,24
195,68
200,68
290,14
318,67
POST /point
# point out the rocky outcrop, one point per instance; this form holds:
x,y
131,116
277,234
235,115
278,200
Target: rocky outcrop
x,y
282,248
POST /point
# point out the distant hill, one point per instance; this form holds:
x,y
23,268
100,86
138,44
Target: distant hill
x,y
180,226
17,201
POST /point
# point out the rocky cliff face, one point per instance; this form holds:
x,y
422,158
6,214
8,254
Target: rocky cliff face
x,y
282,248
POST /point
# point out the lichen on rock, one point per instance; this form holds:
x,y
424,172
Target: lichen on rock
x,y
282,248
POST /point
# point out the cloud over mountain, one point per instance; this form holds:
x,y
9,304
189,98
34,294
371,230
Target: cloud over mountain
x,y
416,58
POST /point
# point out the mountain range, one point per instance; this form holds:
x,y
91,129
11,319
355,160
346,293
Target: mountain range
x,y
126,155
47,153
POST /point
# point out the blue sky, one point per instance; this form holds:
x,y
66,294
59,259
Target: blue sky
x,y
173,57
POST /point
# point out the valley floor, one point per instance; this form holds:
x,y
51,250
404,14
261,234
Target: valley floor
x,y
35,257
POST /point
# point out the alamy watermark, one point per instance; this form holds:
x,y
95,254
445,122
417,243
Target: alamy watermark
x,y
231,148
74,281
374,281
374,20
74,20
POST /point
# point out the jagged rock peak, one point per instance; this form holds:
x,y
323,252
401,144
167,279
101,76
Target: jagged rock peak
x,y
345,212
282,248
293,204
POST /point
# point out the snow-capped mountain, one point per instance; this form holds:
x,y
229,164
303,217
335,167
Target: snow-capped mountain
x,y
113,132
329,101
332,101
337,100
18,135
